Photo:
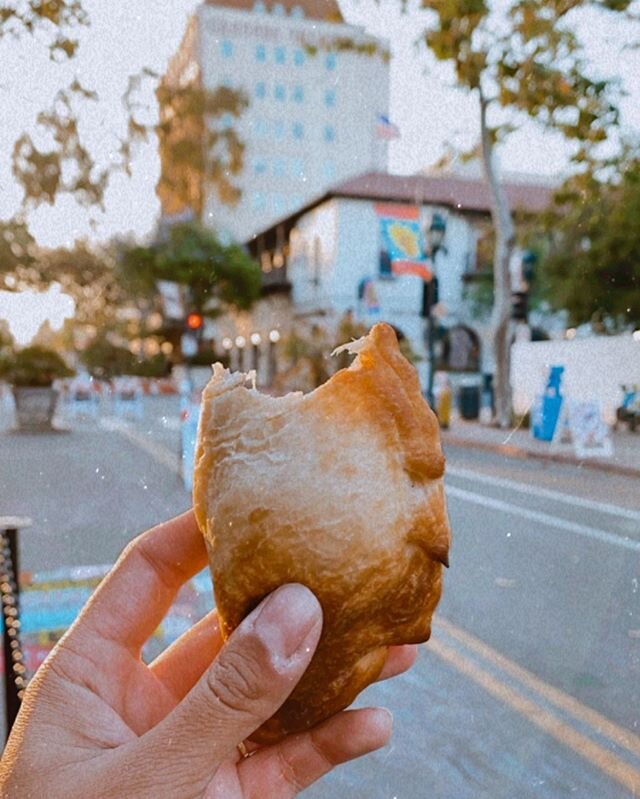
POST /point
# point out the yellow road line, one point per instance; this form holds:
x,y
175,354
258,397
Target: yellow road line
x,y
601,724
607,762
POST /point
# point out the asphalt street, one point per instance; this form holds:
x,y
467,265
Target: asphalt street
x,y
530,686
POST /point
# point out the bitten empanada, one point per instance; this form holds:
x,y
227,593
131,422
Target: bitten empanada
x,y
341,490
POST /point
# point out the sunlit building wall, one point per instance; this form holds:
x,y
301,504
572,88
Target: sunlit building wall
x,y
315,86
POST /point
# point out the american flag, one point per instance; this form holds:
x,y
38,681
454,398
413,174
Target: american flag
x,y
385,129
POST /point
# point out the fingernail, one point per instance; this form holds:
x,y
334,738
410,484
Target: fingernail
x,y
287,618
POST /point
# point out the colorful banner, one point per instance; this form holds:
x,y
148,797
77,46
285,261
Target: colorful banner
x,y
402,240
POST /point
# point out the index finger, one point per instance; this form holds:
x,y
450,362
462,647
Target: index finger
x,y
135,596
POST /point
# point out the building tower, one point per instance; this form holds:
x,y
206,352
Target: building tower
x,y
315,88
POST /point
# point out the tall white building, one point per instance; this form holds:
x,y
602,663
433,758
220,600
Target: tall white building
x,y
316,88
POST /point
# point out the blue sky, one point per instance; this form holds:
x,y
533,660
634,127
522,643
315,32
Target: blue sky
x,y
123,38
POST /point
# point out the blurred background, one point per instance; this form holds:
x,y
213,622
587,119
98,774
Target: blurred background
x,y
257,183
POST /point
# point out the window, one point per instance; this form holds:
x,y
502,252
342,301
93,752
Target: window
x,y
298,57
329,134
297,94
278,129
297,12
226,48
226,121
280,167
278,203
279,92
330,98
261,128
259,7
329,170
330,61
259,165
297,130
261,52
297,168
280,55
278,10
261,89
258,201
227,82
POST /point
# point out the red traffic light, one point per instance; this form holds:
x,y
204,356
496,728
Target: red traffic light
x,y
194,321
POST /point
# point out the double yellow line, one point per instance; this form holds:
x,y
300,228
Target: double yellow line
x,y
616,768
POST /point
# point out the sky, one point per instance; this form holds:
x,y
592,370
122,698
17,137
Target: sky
x,y
125,37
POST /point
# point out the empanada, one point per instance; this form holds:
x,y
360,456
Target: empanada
x,y
341,490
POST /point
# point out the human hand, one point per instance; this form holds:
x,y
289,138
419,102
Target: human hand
x,y
97,722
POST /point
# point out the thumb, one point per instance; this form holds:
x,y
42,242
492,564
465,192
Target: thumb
x,y
250,679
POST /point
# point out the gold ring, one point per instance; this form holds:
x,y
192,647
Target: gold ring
x,y
243,750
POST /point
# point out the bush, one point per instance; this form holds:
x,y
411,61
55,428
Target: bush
x,y
34,367
105,360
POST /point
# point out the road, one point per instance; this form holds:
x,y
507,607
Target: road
x,y
530,686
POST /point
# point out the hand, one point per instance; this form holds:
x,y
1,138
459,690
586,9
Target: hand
x,y
97,722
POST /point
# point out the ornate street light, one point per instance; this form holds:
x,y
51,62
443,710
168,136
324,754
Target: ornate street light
x,y
435,242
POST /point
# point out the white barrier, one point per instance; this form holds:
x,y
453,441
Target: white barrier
x,y
595,370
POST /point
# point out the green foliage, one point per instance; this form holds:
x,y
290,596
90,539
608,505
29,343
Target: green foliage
x,y
17,246
195,152
33,366
193,256
531,61
51,21
593,265
105,360
195,147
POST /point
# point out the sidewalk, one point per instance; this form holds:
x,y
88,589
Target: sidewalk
x,y
519,443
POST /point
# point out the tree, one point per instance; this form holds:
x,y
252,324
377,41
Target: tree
x,y
593,264
523,57
214,274
56,160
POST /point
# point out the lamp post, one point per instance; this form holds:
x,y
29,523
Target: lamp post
x,y
434,240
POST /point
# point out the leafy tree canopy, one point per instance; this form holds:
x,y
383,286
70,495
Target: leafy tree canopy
x,y
193,256
593,265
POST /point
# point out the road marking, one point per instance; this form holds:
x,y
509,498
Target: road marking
x,y
157,451
569,499
545,518
599,723
600,757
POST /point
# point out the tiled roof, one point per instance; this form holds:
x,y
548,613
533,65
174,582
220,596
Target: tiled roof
x,y
463,194
460,194
327,10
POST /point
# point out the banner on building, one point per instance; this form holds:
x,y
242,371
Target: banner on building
x,y
402,241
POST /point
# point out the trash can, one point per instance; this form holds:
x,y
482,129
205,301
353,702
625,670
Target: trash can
x,y
469,400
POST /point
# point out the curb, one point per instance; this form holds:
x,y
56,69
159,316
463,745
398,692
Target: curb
x,y
513,451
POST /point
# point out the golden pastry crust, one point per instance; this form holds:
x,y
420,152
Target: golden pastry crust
x,y
341,490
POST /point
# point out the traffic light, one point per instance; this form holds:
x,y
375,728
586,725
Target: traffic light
x,y
519,306
194,320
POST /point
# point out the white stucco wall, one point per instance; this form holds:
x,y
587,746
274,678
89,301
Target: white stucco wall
x,y
327,276
595,368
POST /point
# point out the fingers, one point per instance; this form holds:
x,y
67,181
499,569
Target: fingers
x,y
182,664
136,594
399,659
283,770
251,677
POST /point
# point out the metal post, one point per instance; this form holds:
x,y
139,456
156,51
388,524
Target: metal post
x,y
15,676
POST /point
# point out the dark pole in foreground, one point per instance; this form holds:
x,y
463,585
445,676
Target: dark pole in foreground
x,y
15,678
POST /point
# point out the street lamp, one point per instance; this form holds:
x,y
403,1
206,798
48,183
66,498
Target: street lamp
x,y
435,241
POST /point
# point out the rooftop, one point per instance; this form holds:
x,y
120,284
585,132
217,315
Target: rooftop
x,y
459,194
327,10
463,194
